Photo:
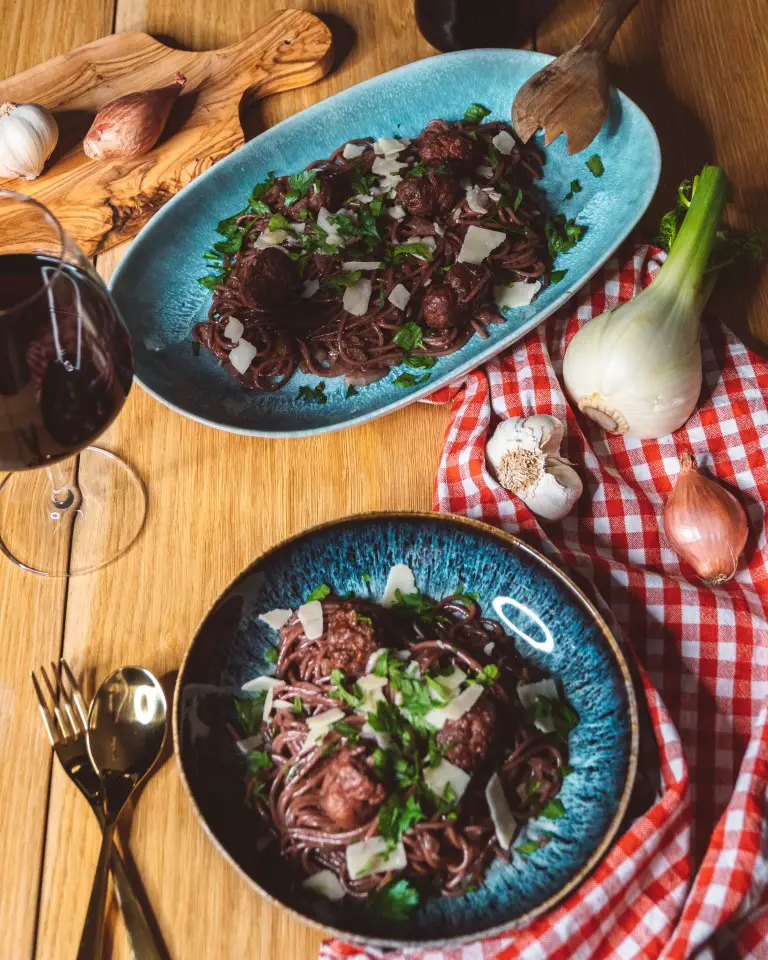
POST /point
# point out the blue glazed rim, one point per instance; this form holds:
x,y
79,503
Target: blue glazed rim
x,y
476,360
514,543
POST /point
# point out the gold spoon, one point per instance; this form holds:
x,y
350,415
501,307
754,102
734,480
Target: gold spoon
x,y
126,729
571,94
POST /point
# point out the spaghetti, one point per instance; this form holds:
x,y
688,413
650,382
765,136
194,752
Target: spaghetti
x,y
424,702
360,263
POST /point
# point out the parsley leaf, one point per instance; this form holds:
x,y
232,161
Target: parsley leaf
x,y
553,809
409,380
396,816
316,395
565,719
562,235
475,113
259,760
299,184
531,846
212,281
258,192
418,170
595,165
410,336
345,279
557,275
518,200
366,578
396,253
339,692
396,900
351,392
566,770
249,713
298,706
347,730
229,225
466,598
419,363
272,655
320,592
575,188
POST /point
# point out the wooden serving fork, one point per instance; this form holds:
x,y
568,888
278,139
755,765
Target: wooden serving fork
x,y
571,94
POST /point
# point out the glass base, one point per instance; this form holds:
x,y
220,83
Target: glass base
x,y
80,527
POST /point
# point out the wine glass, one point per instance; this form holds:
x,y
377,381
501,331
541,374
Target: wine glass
x,y
65,371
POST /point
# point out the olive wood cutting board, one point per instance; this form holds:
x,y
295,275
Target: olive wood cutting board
x,y
102,202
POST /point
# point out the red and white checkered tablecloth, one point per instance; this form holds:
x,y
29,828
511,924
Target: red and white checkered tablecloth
x,y
689,877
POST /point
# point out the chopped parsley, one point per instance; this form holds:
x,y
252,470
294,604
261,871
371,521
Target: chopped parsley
x,y
298,706
553,809
397,815
212,281
396,253
410,336
460,595
363,619
351,392
259,760
475,113
299,184
347,730
250,712
272,655
518,200
419,363
366,578
339,691
345,279
575,188
409,380
595,165
531,846
395,901
562,235
566,770
310,395
418,170
320,592
279,222
557,275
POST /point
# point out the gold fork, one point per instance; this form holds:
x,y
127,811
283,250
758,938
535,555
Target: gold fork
x,y
65,718
571,95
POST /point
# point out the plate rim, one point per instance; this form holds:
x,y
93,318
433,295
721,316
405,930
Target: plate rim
x,y
470,364
515,543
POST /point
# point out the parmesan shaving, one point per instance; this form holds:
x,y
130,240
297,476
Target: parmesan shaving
x,y
370,856
504,142
250,743
477,199
268,701
357,296
282,705
383,740
400,578
233,330
397,212
321,721
310,288
488,648
241,356
485,172
446,774
388,147
276,618
262,683
325,882
478,244
456,709
501,813
387,166
530,692
516,294
352,151
311,617
399,296
270,238
351,265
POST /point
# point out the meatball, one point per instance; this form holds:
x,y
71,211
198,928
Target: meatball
x,y
270,277
350,794
463,278
439,308
469,738
415,194
445,191
332,190
446,146
430,195
349,643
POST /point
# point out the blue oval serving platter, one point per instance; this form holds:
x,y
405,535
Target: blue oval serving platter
x,y
553,626
156,286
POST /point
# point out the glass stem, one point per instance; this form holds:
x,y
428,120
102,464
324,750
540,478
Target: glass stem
x,y
65,492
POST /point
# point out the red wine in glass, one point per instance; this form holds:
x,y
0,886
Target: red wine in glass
x,y
465,24
65,360
65,372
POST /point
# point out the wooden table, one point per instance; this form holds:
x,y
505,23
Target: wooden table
x,y
700,70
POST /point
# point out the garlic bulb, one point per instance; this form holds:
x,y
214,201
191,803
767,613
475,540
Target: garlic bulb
x,y
28,135
524,454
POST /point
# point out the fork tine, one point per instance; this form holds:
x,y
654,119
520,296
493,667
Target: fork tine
x,y
65,700
60,720
77,696
45,713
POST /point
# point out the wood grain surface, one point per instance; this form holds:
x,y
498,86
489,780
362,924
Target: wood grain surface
x,y
698,67
102,202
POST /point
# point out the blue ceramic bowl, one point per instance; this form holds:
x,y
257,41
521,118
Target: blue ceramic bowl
x,y
553,625
155,285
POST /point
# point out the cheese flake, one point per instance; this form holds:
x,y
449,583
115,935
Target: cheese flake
x,y
310,288
325,882
446,774
262,683
276,618
504,823
388,147
311,617
517,294
370,856
504,142
478,244
477,199
400,578
352,265
242,355
233,330
357,296
352,151
399,296
456,709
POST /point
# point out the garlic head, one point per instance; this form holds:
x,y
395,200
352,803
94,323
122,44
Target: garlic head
x,y
28,136
524,455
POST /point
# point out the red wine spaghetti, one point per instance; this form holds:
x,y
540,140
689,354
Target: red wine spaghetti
x,y
399,750
388,252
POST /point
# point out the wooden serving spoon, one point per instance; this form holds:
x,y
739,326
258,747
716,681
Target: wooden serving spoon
x,y
571,94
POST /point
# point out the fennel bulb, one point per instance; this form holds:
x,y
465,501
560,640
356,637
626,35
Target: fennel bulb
x,y
637,369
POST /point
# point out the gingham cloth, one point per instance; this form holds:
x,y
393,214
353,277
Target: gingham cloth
x,y
689,877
